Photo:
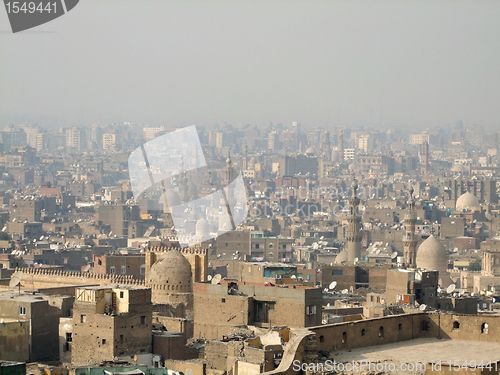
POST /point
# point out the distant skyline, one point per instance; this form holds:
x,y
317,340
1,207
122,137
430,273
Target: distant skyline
x,y
412,64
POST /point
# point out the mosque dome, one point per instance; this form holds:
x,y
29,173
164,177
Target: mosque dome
x,y
459,168
202,228
251,163
432,255
172,270
310,151
341,257
467,201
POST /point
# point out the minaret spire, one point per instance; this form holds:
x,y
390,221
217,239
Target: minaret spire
x,y
410,240
354,232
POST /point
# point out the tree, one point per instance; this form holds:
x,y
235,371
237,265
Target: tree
x,y
475,265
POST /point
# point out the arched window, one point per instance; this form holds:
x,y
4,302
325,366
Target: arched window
x,y
484,328
322,338
400,327
363,332
456,325
423,326
381,332
344,337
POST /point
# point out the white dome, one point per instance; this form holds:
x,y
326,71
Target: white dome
x,y
459,168
202,227
335,156
341,257
432,255
467,201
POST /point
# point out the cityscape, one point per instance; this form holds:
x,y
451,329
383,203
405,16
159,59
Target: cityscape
x,y
249,187
343,239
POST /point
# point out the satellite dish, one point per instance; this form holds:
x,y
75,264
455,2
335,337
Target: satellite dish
x,y
16,279
293,277
394,255
356,260
439,290
325,290
87,268
345,291
209,277
450,289
42,237
423,307
332,285
216,279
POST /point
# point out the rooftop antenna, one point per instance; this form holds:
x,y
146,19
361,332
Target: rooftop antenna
x,y
15,280
216,279
450,289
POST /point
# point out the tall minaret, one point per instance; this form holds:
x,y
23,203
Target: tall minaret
x,y
229,177
245,157
424,158
354,233
410,240
341,146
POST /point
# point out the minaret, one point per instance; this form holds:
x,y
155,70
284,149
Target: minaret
x,y
229,177
424,158
245,157
354,233
183,184
341,146
326,149
410,240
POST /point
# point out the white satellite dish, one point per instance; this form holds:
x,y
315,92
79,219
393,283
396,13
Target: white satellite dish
x,y
322,237
450,289
293,277
216,279
394,255
325,290
423,307
332,285
345,291
87,268
42,237
16,279
439,290
209,277
356,260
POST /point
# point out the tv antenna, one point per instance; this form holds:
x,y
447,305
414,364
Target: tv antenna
x,y
15,280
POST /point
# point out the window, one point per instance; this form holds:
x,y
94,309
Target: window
x,y
124,270
121,337
363,332
484,328
381,332
121,294
337,272
344,337
83,318
311,310
322,338
424,326
456,325
400,327
22,310
223,300
112,270
103,341
143,320
143,269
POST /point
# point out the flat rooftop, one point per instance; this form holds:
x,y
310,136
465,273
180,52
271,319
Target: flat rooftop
x,y
425,350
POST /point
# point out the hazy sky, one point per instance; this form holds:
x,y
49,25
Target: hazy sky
x,y
409,63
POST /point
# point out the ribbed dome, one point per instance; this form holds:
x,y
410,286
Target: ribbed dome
x,y
172,270
467,201
432,255
459,168
341,257
173,198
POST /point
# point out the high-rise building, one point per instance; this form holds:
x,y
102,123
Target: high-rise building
x,y
74,139
108,141
410,240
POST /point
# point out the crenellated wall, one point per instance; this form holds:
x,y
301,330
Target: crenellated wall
x,y
37,278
